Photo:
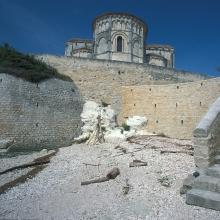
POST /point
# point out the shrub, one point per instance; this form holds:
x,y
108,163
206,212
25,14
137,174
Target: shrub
x,y
161,134
26,66
104,104
126,127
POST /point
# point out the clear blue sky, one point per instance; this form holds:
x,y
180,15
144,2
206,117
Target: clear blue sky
x,y
192,27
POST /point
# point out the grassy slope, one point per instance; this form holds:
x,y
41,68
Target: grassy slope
x,y
26,66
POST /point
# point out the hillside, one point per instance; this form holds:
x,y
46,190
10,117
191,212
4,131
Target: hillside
x,y
26,66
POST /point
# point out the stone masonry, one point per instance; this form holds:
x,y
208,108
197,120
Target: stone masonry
x,y
102,80
173,109
38,115
205,189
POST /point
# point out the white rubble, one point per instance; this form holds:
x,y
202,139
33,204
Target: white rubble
x,y
91,110
136,122
112,134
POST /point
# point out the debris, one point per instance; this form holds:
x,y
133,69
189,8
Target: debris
x,y
97,135
137,163
126,188
30,174
97,120
174,152
123,149
112,174
165,181
94,165
136,122
36,162
187,184
131,152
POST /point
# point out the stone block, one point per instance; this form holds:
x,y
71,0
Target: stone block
x,y
203,198
214,171
209,183
202,162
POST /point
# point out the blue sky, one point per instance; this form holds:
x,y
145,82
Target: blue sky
x,y
192,27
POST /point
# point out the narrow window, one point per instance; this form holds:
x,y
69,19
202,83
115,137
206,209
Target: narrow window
x,y
155,105
119,44
182,122
200,103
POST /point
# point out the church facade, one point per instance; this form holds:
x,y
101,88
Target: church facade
x,y
120,37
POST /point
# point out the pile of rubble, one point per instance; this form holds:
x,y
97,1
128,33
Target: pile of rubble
x,y
99,125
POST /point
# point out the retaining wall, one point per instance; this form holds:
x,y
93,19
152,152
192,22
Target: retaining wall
x,y
36,116
173,109
102,79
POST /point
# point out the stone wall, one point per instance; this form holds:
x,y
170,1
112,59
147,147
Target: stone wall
x,y
36,116
207,137
173,109
102,79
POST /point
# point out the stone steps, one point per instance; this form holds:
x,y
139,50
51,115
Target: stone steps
x,y
213,171
203,198
209,183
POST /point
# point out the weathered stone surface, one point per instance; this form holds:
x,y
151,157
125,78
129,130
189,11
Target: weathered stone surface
x,y
102,80
214,171
174,109
204,126
37,116
187,184
203,198
206,137
208,183
217,159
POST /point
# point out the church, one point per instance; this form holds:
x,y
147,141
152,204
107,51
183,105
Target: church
x,y
120,37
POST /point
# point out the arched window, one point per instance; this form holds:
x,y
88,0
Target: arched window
x,y
119,44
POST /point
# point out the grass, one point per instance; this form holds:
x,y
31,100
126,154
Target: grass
x,y
104,104
126,127
26,66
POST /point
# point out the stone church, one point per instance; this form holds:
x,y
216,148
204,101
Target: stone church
x,y
120,37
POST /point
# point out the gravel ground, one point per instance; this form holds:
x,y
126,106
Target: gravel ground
x,y
56,192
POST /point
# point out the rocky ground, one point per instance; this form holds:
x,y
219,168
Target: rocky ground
x,y
147,192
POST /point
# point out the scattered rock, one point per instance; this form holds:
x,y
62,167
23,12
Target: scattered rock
x,y
187,184
126,188
137,163
165,181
